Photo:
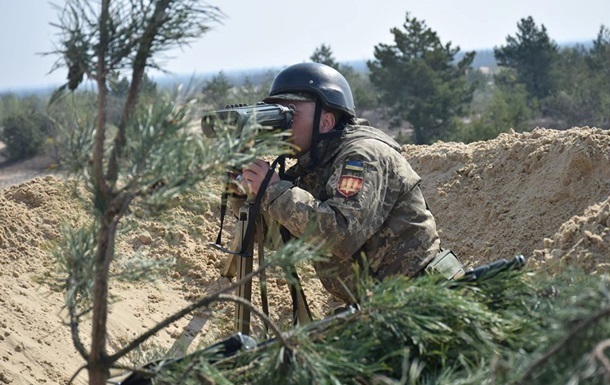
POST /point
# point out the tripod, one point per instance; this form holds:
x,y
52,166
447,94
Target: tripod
x,y
240,262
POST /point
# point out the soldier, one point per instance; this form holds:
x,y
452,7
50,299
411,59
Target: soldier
x,y
350,187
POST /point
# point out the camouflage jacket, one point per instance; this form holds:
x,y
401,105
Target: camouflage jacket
x,y
362,198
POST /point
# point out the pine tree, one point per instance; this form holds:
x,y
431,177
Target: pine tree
x,y
531,54
324,55
150,155
420,82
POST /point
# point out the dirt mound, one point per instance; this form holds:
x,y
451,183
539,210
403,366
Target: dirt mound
x,y
544,194
35,344
502,197
584,240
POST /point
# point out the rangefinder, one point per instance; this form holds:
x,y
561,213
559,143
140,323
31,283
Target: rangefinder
x,y
272,116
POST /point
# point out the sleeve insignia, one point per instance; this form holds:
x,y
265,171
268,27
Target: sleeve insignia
x,y
349,185
354,165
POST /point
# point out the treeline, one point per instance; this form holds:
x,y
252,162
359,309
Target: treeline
x,y
30,125
425,90
419,88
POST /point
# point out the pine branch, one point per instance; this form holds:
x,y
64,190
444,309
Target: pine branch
x,y
561,344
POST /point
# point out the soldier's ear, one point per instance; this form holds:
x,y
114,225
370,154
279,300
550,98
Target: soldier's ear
x,y
327,122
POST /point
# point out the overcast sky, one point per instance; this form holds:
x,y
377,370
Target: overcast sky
x,y
273,33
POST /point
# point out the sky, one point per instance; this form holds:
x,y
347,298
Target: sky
x,y
259,34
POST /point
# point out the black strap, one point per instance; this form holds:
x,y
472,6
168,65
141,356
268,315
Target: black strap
x,y
315,136
223,210
256,205
252,215
246,249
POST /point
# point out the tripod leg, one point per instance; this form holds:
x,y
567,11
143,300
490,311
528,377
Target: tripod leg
x,y
242,314
229,270
260,240
243,265
303,312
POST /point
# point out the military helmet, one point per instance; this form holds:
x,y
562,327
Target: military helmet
x,y
318,79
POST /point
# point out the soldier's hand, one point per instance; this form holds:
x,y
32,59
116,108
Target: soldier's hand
x,y
254,174
235,186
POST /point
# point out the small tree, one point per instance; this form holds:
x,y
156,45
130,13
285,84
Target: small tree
x,y
581,85
506,110
24,125
598,63
250,92
24,133
324,55
9,104
419,81
217,92
129,160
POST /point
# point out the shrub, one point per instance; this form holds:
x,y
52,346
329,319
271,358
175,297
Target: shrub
x,y
24,134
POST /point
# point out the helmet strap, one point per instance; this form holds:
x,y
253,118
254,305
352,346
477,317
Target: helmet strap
x,y
315,135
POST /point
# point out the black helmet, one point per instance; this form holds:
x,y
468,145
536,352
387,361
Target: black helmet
x,y
314,78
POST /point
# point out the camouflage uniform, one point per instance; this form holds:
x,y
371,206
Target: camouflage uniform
x,y
363,198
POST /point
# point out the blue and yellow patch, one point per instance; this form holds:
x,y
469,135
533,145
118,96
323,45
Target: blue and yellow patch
x,y
354,165
351,180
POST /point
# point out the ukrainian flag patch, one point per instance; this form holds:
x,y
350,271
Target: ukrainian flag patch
x,y
354,165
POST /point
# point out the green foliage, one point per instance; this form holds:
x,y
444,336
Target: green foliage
x,y
118,94
366,97
251,92
531,54
139,32
582,94
148,153
119,86
578,97
75,267
218,92
74,118
569,323
24,134
568,86
511,328
600,53
155,135
419,81
11,104
324,55
507,109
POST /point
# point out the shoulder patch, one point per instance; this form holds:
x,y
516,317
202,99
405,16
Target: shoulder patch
x,y
354,165
351,179
349,185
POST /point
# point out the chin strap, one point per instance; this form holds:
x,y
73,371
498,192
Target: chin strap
x,y
315,135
